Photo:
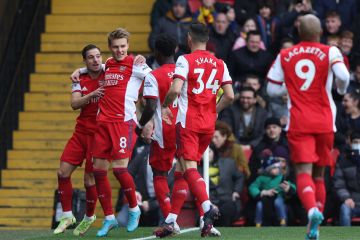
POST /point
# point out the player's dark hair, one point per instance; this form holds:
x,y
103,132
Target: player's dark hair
x,y
247,89
253,32
117,34
252,76
354,135
165,44
199,32
87,48
332,14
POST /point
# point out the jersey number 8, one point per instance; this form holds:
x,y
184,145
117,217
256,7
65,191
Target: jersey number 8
x,y
305,69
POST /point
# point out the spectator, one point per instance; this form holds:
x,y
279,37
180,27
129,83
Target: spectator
x,y
222,36
355,84
278,108
286,43
346,44
296,9
206,13
250,59
268,25
159,9
176,23
270,189
249,25
332,25
272,139
349,120
253,81
226,181
333,40
244,10
346,9
347,181
246,118
225,145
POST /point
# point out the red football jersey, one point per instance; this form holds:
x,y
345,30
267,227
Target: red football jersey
x,y
157,84
306,70
122,82
203,75
86,121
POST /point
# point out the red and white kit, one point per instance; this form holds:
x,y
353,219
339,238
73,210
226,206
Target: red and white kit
x,y
79,146
306,70
203,75
115,136
163,148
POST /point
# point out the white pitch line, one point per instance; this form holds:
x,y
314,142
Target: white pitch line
x,y
181,232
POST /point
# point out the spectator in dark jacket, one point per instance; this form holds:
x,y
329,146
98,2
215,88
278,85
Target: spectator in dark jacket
x,y
355,84
250,59
176,23
347,181
222,36
246,118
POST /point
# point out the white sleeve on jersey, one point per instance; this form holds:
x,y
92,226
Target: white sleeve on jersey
x,y
140,71
276,73
151,88
226,76
182,68
75,87
342,75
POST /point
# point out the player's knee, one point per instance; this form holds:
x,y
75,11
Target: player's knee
x,y
159,173
63,173
89,179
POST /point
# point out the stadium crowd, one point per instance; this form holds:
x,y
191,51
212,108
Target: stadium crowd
x,y
250,134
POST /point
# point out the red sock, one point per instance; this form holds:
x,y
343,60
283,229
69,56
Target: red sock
x,y
65,193
306,190
91,198
320,193
103,191
198,205
127,183
196,184
162,193
179,193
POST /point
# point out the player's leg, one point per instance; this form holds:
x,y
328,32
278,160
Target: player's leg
x,y
101,152
162,191
324,145
178,196
73,155
123,140
65,194
91,193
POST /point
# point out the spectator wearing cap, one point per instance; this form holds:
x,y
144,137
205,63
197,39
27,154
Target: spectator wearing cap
x,y
347,181
245,118
222,36
272,139
269,190
176,23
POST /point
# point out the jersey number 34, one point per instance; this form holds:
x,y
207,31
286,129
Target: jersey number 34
x,y
210,83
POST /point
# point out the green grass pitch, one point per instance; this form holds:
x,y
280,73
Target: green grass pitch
x,y
240,233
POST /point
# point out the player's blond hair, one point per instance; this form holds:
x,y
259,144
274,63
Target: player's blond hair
x,y
310,28
117,34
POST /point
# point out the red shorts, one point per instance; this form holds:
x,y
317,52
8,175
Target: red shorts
x,y
78,148
161,158
191,145
311,148
114,140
